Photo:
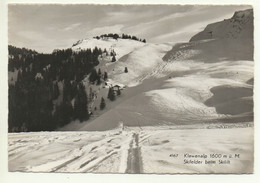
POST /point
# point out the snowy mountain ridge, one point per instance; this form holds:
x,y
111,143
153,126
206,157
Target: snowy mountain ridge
x,y
120,46
231,39
238,26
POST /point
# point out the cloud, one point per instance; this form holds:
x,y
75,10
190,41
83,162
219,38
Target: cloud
x,y
187,31
184,33
72,26
28,34
180,26
39,41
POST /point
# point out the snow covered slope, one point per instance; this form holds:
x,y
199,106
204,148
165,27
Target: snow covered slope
x,y
120,46
186,95
239,26
203,81
140,58
221,66
132,150
210,93
140,63
231,39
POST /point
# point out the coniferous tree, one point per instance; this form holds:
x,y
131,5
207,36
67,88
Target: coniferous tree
x,y
111,94
105,76
113,58
81,104
112,53
90,94
126,70
76,108
99,72
55,91
98,80
102,104
63,113
19,76
93,76
118,92
67,91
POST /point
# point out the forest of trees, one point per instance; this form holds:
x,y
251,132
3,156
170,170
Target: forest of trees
x,y
124,36
33,97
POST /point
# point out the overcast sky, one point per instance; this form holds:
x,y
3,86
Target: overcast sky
x,y
48,27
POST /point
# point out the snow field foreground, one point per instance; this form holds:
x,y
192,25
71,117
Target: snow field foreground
x,y
169,151
68,151
131,150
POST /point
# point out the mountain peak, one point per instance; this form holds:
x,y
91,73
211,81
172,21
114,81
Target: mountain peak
x,y
111,36
243,13
240,25
120,46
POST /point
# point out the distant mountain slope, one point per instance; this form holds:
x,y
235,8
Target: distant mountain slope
x,y
239,26
231,39
212,50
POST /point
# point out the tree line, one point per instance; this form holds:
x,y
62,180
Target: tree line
x,y
48,92
116,36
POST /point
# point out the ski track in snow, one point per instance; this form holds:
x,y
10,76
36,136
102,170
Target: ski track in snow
x,y
78,152
134,161
129,150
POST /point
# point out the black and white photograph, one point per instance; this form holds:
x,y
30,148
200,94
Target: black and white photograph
x,y
131,89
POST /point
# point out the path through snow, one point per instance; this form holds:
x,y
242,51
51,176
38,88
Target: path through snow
x,y
132,150
134,160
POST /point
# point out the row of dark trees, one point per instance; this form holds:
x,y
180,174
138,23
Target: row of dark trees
x,y
126,36
116,36
48,92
